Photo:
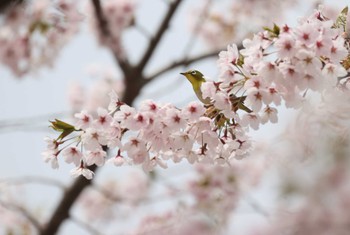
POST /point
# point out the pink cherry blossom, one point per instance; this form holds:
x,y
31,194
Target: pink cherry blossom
x,y
88,174
72,155
286,46
83,119
193,111
96,156
277,66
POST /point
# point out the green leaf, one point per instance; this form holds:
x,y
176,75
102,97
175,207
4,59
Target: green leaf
x,y
63,127
42,26
32,27
345,10
243,107
340,22
240,60
274,31
64,134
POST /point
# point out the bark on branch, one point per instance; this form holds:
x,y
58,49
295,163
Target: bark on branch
x,y
6,4
61,212
186,62
105,31
158,36
134,82
182,62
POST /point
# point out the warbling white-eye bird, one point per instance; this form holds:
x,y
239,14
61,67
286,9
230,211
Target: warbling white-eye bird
x,y
196,78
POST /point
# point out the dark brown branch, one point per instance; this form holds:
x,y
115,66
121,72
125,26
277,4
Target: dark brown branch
x,y
70,196
134,82
183,62
7,4
105,31
61,212
186,62
158,36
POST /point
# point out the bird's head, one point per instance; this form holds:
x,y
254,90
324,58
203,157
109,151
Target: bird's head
x,y
194,76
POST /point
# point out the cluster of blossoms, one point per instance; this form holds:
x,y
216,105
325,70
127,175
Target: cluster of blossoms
x,y
98,204
320,158
32,36
216,193
281,63
146,137
119,15
218,189
11,221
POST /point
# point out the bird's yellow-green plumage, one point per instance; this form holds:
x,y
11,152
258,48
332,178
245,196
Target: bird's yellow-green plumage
x,y
196,78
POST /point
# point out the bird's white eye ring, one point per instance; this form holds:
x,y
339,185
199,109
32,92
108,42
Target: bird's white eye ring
x,y
193,72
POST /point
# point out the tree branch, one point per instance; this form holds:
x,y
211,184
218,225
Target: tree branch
x,y
105,31
183,62
186,62
61,212
158,36
86,226
7,4
134,82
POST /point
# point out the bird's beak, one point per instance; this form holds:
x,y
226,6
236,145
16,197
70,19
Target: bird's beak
x,y
183,73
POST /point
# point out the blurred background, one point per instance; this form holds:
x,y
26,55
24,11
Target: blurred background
x,y
78,71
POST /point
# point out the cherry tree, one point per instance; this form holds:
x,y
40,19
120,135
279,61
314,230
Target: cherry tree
x,y
262,67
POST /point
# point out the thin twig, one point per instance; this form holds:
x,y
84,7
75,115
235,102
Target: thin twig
x,y
15,122
187,61
108,195
187,49
61,212
33,179
197,28
134,79
164,90
183,62
85,225
257,208
23,212
34,123
143,31
158,36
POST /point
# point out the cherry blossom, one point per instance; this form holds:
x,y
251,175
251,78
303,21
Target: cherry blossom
x,y
88,174
278,64
31,37
72,154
